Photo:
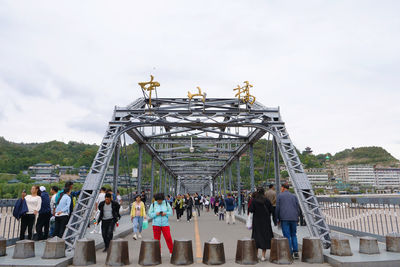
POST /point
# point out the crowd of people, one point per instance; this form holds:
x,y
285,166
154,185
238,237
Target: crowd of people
x,y
52,213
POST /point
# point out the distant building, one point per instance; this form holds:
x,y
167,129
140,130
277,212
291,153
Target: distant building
x,y
65,170
387,177
317,175
362,174
307,151
44,175
42,166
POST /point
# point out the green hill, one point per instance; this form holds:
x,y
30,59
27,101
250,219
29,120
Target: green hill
x,y
365,155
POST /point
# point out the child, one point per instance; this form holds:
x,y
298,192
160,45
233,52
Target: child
x,y
221,210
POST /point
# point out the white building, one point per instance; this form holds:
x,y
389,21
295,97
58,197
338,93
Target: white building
x,y
363,174
317,175
387,177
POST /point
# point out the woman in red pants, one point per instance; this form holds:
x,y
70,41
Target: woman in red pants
x,y
159,211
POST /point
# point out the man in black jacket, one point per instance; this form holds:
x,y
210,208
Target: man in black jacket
x,y
109,215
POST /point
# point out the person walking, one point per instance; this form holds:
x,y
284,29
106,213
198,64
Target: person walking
x,y
189,207
287,214
221,210
271,195
138,213
261,226
100,198
109,216
179,207
197,203
43,221
216,202
53,192
160,211
230,207
34,203
62,214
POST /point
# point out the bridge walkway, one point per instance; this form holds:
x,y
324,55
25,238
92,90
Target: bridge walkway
x,y
207,227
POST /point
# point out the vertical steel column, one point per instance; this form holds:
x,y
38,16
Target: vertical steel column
x,y
276,167
224,183
152,179
230,178
169,185
252,186
116,167
160,180
220,185
238,182
165,183
178,186
140,169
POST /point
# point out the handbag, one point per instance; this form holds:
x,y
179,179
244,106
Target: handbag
x,y
249,221
145,224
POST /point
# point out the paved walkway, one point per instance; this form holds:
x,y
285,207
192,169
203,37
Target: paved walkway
x,y
208,227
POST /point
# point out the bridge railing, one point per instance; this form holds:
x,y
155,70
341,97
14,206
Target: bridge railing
x,y
361,216
9,226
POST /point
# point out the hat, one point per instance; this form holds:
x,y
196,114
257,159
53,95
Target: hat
x,y
42,188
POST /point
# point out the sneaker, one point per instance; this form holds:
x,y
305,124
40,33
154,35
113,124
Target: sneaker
x,y
135,236
296,255
177,220
139,235
93,232
263,259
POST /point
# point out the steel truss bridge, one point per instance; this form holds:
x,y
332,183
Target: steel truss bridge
x,y
195,141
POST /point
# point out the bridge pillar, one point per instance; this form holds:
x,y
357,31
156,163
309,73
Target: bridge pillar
x,y
393,242
252,185
340,247
152,180
116,167
55,248
312,250
246,252
238,183
150,253
85,252
213,253
118,253
280,251
140,169
276,166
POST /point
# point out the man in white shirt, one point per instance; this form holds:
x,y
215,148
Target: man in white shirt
x,y
100,198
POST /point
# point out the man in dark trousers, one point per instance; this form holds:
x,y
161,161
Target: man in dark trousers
x,y
109,215
287,214
43,220
197,204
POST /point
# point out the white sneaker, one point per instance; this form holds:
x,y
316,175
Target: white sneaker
x,y
135,236
177,220
263,259
93,232
139,235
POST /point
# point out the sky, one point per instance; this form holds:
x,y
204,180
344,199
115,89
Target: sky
x,y
333,67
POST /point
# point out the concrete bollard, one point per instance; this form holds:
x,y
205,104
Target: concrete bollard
x,y
340,247
3,246
84,253
369,245
150,253
312,250
24,249
280,251
246,252
213,253
118,253
182,253
55,248
393,242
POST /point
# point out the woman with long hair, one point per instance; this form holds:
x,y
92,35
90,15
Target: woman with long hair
x,y
62,212
138,213
261,227
34,203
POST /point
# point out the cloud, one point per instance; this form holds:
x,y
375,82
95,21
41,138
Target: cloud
x,y
333,68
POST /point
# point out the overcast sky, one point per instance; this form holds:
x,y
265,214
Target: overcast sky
x,y
333,67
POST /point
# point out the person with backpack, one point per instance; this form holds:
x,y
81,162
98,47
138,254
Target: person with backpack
x,y
43,221
160,211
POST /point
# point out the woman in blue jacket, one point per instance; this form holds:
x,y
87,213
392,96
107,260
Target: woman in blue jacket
x,y
159,211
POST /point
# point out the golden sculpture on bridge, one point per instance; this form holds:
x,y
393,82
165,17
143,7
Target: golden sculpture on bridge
x,y
244,93
151,85
190,95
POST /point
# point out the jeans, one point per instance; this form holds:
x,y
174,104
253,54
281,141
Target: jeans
x,y
43,221
137,223
107,230
198,210
289,231
27,221
189,213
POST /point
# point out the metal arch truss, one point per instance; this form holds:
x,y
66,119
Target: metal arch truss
x,y
195,142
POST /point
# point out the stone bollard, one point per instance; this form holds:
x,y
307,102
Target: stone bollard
x,y
24,249
84,253
3,246
150,253
312,250
118,253
280,251
340,246
393,242
246,252
55,248
213,253
182,253
369,245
